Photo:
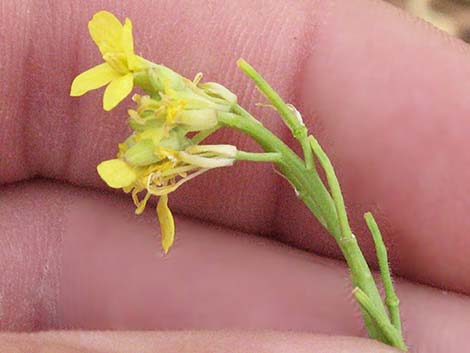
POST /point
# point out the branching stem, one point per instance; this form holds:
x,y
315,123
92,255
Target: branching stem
x,y
326,204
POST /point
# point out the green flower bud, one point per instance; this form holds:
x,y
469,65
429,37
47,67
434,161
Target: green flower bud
x,y
147,119
198,120
141,154
198,99
216,90
176,140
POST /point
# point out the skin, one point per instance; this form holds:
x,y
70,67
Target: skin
x,y
386,95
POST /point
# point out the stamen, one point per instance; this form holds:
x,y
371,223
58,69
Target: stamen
x,y
197,78
159,191
178,170
141,207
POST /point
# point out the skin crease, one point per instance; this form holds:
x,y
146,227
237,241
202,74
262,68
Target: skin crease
x,y
391,93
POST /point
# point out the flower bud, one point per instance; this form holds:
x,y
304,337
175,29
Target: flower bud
x,y
175,141
141,154
150,141
214,89
198,120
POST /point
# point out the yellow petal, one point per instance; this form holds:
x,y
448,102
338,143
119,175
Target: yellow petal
x,y
117,90
167,223
106,31
127,41
93,78
116,173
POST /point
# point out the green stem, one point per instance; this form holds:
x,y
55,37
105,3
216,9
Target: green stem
x,y
362,277
309,186
258,157
360,271
335,214
312,191
389,331
333,183
391,298
328,208
288,113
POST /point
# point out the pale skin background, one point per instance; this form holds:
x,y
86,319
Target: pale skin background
x,y
387,95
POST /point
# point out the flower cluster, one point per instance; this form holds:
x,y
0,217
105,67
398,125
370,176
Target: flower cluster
x,y
175,115
168,123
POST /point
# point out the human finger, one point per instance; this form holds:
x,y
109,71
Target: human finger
x,y
57,138
92,265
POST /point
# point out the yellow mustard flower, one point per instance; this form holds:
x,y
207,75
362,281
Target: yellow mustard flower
x,y
116,45
163,177
159,156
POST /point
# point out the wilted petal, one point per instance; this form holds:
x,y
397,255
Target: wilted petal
x,y
167,223
117,90
203,162
93,78
220,150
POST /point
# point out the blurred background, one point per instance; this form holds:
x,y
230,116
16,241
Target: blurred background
x,y
452,16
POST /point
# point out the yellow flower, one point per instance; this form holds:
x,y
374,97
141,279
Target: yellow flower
x,y
116,45
159,156
163,177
